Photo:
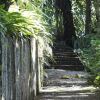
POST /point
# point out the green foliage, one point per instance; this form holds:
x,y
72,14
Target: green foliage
x,y
78,8
28,21
88,45
49,14
14,24
91,58
79,14
94,80
92,54
97,81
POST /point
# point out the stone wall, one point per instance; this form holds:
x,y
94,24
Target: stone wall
x,y
19,68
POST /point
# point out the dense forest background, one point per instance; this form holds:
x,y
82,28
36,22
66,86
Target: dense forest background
x,y
75,21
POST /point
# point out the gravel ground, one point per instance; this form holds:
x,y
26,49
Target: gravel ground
x,y
67,85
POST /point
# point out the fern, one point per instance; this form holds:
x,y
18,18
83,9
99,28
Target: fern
x,y
26,23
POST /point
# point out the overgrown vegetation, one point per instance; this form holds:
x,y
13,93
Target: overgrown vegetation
x,y
91,58
27,20
88,37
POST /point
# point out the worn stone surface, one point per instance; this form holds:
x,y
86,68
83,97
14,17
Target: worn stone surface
x,y
67,80
72,88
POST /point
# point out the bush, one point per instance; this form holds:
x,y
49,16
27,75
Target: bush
x,y
91,58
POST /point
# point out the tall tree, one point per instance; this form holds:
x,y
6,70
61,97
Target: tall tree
x,y
69,29
88,17
97,9
65,8
59,19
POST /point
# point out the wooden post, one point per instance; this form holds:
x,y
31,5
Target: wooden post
x,y
33,67
22,64
4,69
39,66
19,69
8,69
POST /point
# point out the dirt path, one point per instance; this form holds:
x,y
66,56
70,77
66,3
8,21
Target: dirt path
x,y
67,85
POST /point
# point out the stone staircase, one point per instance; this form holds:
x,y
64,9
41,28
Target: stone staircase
x,y
67,85
66,78
65,58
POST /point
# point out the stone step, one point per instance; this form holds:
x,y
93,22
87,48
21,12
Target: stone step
x,y
67,62
63,63
69,93
65,54
59,45
62,50
66,58
69,67
68,82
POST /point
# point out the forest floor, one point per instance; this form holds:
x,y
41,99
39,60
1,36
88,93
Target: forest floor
x,y
67,85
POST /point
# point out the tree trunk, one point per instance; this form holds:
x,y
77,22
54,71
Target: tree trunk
x,y
97,9
69,29
33,68
65,7
8,69
59,20
88,17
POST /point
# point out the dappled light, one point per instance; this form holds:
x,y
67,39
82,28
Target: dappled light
x,y
49,49
74,88
69,96
59,89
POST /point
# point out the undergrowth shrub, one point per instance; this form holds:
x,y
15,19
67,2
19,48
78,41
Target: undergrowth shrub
x,y
91,58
